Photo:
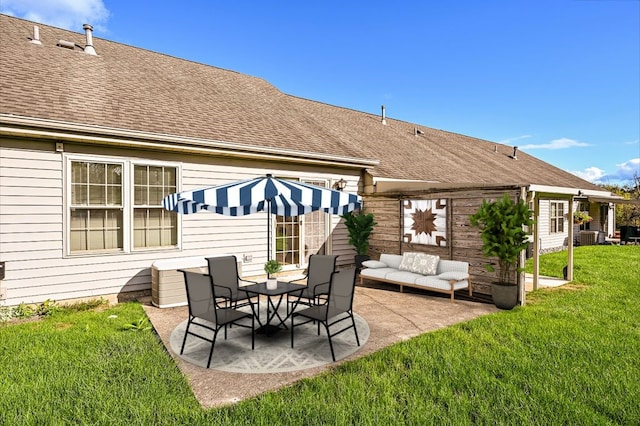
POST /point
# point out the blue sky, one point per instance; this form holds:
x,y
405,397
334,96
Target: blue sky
x,y
560,79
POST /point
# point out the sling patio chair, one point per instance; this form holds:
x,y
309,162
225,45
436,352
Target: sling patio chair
x,y
338,308
205,311
317,278
223,271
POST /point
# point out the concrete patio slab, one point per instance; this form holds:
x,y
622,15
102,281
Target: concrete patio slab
x,y
392,317
543,282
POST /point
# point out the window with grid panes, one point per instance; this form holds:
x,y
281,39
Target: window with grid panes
x,y
153,226
99,217
556,217
96,214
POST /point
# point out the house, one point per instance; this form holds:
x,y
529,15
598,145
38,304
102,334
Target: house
x,y
94,133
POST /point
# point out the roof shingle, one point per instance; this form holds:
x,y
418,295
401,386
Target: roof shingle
x,y
135,89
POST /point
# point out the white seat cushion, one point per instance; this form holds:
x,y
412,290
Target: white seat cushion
x,y
377,272
434,282
403,276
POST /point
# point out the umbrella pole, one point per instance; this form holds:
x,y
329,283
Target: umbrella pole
x,y
268,230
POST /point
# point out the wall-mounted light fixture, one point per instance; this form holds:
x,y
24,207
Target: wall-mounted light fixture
x,y
340,185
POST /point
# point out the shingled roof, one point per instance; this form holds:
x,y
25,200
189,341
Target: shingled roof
x,y
129,88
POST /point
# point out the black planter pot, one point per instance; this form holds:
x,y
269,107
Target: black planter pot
x,y
359,259
504,296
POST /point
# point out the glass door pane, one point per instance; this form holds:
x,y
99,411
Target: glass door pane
x,y
315,229
314,234
287,236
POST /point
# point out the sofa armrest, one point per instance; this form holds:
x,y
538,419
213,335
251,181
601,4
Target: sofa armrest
x,y
454,275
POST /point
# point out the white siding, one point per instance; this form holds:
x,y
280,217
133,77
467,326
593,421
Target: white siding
x,y
32,230
551,241
596,223
558,241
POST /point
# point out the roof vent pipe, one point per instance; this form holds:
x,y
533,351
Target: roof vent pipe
x,y
88,49
515,153
36,35
384,116
66,44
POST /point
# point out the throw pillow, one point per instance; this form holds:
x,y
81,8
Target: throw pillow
x,y
374,264
406,264
425,264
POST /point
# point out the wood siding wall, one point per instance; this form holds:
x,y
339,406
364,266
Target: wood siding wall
x,y
463,243
32,214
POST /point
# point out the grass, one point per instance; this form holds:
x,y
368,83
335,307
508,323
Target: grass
x,y
571,356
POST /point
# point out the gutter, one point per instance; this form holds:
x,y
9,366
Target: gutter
x,y
385,186
61,131
560,191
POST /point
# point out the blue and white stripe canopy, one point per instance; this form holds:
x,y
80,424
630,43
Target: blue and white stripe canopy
x,y
265,193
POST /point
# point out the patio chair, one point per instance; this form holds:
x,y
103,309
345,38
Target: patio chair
x,y
338,308
318,276
205,311
223,271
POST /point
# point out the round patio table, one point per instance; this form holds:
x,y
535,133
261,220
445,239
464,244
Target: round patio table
x,y
274,321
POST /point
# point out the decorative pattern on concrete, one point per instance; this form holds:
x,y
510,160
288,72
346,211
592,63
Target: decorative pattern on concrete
x,y
272,354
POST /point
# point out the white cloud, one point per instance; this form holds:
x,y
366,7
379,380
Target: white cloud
x,y
562,143
517,138
625,172
592,174
67,14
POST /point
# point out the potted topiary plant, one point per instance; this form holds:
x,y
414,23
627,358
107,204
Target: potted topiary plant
x,y
501,225
272,267
359,226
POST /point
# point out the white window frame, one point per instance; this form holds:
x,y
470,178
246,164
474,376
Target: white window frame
x,y
128,165
558,218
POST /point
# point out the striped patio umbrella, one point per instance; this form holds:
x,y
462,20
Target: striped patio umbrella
x,y
266,193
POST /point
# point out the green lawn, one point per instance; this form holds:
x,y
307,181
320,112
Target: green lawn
x,y
571,356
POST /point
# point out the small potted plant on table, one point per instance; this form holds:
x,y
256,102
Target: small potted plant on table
x,y
272,267
501,225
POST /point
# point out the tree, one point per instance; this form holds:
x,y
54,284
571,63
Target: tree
x,y
626,214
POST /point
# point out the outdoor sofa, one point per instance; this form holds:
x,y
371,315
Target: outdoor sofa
x,y
418,270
